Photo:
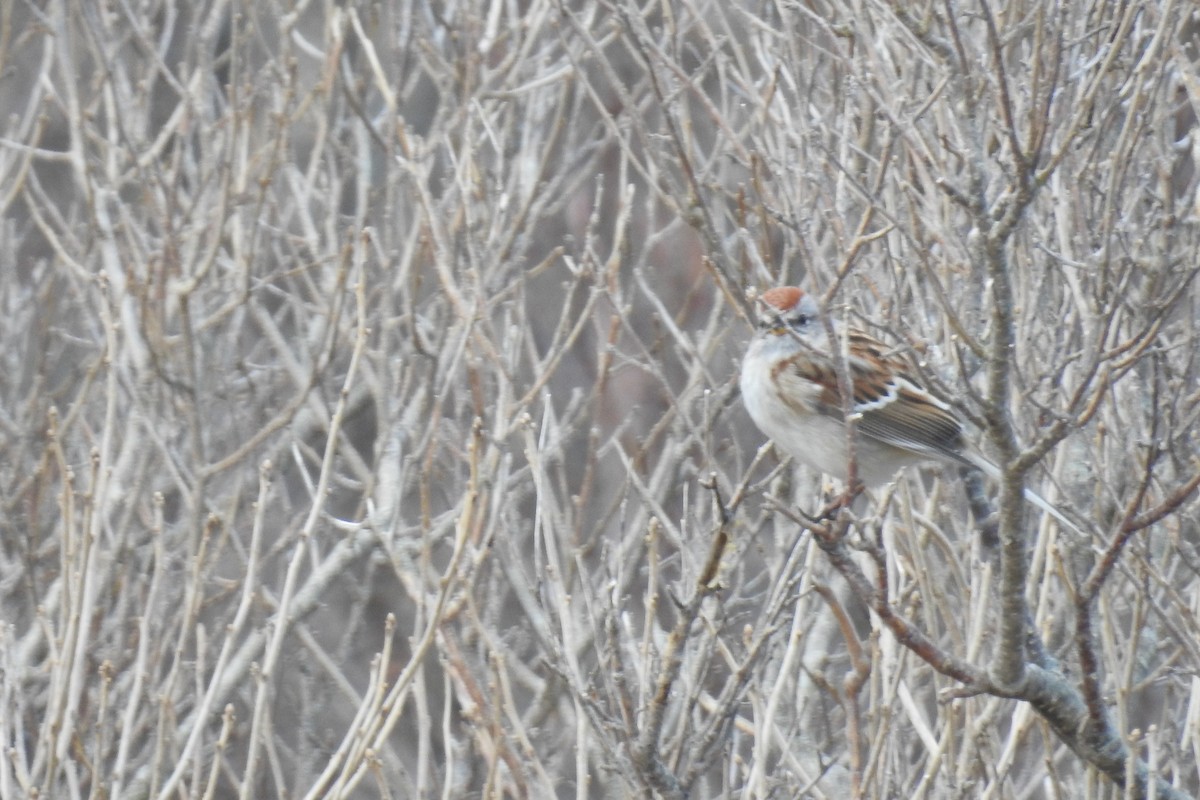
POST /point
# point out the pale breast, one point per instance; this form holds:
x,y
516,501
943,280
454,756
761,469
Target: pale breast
x,y
784,407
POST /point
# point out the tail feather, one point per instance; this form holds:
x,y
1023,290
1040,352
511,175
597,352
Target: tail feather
x,y
993,471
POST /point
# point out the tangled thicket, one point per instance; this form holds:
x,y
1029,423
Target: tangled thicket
x,y
368,409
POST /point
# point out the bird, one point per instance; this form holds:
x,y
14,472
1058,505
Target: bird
x,y
789,385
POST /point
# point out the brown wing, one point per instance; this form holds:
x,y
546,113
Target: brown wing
x,y
894,408
913,420
890,407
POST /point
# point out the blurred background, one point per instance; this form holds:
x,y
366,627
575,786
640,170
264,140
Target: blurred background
x,y
369,422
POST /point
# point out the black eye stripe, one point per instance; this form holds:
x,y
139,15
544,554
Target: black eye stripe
x,y
781,319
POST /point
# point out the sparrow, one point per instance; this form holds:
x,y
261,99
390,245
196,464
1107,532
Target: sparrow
x,y
789,385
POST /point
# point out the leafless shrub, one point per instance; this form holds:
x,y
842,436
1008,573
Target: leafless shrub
x,y
369,421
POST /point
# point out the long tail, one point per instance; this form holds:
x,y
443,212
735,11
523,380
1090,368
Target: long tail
x,y
993,471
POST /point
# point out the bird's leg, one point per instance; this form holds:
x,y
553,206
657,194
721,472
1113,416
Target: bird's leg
x,y
843,500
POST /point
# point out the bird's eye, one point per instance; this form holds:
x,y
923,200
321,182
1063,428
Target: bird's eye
x,y
782,322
